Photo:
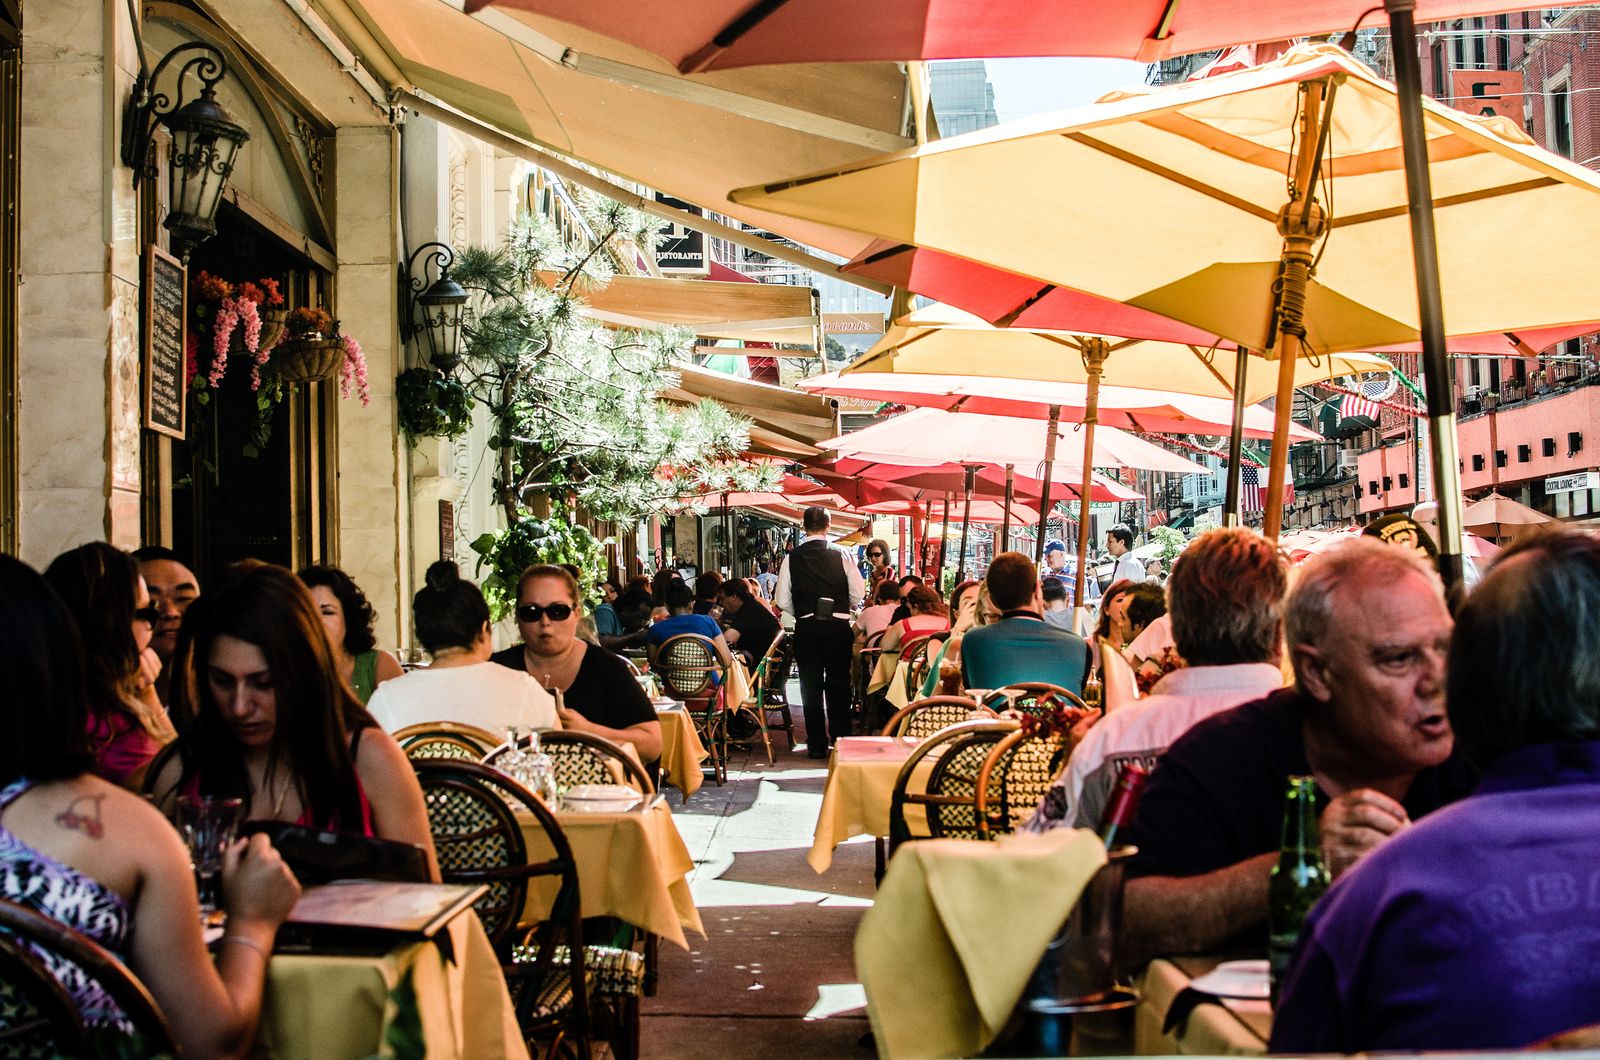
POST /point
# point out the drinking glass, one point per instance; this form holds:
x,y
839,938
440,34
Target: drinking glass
x,y
209,827
539,773
514,760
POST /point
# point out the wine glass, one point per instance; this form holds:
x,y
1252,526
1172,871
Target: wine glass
x,y
209,826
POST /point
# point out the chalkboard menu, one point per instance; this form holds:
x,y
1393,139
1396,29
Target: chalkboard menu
x,y
166,305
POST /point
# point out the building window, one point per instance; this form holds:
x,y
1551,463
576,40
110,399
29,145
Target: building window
x,y
1561,119
1502,43
1441,71
1458,44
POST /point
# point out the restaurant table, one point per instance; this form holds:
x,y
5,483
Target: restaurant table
x,y
325,1007
956,930
855,801
632,865
681,751
1223,1027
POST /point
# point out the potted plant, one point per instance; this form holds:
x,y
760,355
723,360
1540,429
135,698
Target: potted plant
x,y
1491,400
509,552
432,404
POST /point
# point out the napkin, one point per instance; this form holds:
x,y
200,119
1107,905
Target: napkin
x,y
956,930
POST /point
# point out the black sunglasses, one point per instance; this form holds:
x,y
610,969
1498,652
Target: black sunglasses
x,y
874,555
152,615
534,612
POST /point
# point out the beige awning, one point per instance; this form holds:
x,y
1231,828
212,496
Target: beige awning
x,y
690,150
784,423
712,309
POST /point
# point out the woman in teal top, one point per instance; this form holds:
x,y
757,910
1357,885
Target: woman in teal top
x,y
347,616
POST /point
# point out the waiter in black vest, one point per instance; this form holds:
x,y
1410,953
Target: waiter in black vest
x,y
817,571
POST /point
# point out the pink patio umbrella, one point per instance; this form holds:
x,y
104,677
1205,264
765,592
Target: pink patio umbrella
x,y
1127,408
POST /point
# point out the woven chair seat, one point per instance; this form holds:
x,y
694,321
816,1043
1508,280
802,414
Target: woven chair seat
x,y
552,994
613,971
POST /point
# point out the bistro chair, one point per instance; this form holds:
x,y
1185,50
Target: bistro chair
x,y
775,689
755,708
584,758
445,739
691,671
917,653
37,1015
1014,779
479,838
941,776
920,720
863,668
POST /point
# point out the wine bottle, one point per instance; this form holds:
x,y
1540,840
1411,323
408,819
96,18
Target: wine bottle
x,y
1298,879
1122,804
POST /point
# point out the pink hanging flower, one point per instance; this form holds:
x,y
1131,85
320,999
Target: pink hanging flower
x,y
191,357
353,370
222,326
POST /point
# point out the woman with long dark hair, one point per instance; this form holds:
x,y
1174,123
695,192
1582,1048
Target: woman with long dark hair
x,y
1113,625
274,722
348,617
110,606
103,862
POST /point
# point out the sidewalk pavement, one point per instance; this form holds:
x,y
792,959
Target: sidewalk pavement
x,y
775,977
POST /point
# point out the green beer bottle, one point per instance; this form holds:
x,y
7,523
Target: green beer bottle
x,y
1298,879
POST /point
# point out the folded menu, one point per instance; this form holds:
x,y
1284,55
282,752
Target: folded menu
x,y
373,915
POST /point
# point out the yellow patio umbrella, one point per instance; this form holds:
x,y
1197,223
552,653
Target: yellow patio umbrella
x,y
1267,206
1499,516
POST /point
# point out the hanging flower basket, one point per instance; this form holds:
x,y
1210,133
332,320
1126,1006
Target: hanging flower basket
x,y
308,360
272,322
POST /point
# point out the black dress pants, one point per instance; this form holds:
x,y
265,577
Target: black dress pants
x,y
822,655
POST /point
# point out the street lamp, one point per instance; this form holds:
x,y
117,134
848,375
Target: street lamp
x,y
205,140
434,310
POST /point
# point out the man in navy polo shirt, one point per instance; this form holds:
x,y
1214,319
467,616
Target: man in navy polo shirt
x,y
1477,928
1367,631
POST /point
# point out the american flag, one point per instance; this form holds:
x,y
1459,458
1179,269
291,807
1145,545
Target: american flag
x,y
1252,490
1365,405
1249,489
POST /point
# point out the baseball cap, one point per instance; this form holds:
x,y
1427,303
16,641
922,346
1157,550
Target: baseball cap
x,y
1055,544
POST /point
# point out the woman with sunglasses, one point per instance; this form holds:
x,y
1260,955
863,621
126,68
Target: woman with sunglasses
x,y
599,694
110,604
461,685
878,568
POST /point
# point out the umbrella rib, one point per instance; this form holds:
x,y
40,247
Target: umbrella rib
x,y
1022,307
1174,176
1211,368
1450,200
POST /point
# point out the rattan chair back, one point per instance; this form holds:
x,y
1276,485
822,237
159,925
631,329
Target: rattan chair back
x,y
920,720
1035,698
1014,779
917,653
31,939
941,776
584,758
445,739
688,666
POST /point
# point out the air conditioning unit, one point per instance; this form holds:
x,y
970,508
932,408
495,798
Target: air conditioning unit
x,y
1349,460
1473,393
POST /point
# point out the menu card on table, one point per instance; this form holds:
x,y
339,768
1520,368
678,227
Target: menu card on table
x,y
372,916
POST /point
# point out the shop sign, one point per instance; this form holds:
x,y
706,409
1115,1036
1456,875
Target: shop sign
x,y
681,251
1488,93
166,305
1573,483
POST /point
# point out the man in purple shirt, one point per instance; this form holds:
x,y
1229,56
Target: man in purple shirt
x,y
1478,927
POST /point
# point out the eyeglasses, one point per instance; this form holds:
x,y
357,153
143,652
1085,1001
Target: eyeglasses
x,y
148,615
874,555
534,612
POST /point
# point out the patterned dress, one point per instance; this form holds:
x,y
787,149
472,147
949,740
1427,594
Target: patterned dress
x,y
45,885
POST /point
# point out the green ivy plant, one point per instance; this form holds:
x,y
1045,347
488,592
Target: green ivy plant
x,y
507,553
432,404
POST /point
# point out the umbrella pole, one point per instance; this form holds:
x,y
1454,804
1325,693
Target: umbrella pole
x,y
1005,516
1095,352
1230,506
1301,223
1049,470
966,518
1425,252
944,539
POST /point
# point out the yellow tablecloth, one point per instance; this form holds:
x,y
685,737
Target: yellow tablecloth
x,y
331,1008
633,866
681,752
1230,1027
957,929
855,800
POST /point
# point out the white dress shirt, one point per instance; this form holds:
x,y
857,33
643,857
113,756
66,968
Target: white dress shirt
x,y
784,597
